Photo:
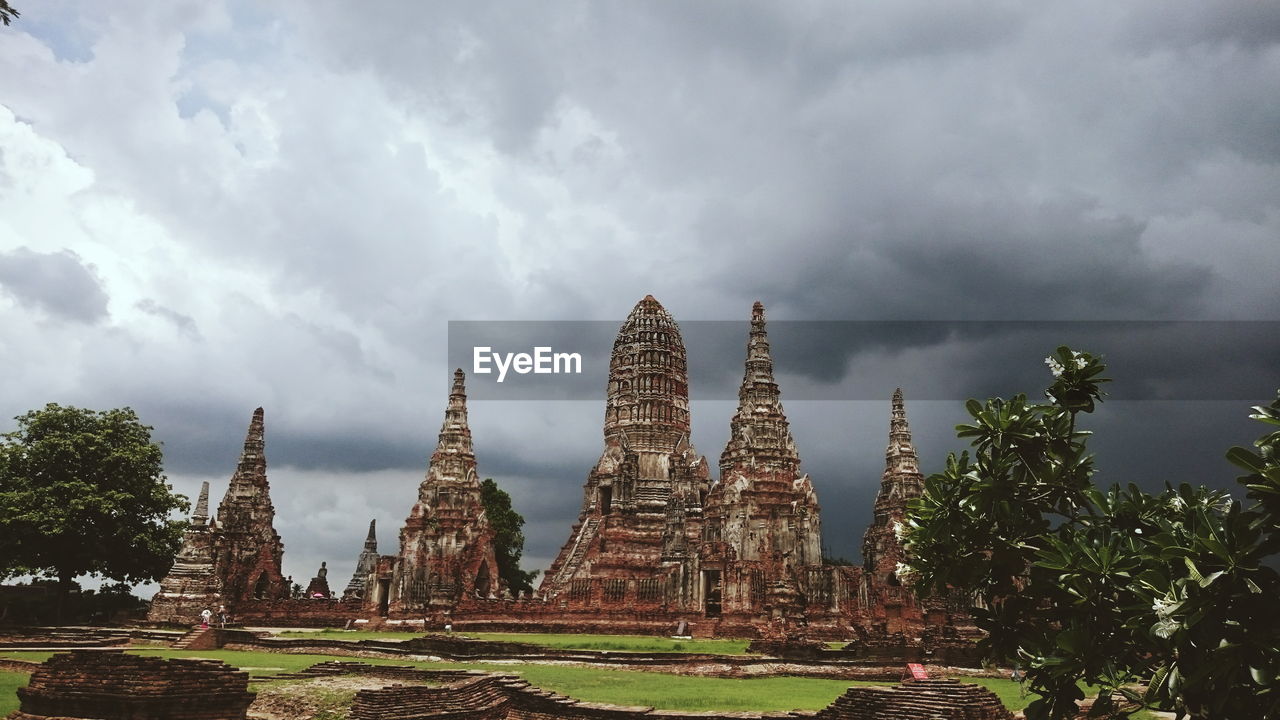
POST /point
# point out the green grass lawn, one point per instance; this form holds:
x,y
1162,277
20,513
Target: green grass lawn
x,y
620,687
622,643
9,684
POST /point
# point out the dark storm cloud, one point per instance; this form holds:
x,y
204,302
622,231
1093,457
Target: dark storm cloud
x,y
352,188
59,283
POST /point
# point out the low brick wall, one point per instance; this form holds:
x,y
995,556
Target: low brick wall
x,y
468,695
110,685
917,700
74,636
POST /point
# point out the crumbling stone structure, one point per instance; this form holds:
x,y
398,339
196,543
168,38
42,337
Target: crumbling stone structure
x,y
917,700
234,557
318,588
192,583
484,696
901,482
657,547
882,553
366,565
247,549
446,555
762,537
110,685
636,539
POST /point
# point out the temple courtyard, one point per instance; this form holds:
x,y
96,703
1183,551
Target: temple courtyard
x,y
717,676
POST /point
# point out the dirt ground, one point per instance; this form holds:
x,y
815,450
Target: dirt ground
x,y
327,698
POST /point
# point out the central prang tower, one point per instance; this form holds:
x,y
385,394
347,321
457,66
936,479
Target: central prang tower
x,y
642,502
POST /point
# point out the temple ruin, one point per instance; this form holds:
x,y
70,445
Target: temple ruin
x,y
658,545
762,543
192,583
233,557
247,549
637,534
366,565
446,546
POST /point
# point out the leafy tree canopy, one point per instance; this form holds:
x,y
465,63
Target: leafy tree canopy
x,y
1163,600
7,13
82,492
508,536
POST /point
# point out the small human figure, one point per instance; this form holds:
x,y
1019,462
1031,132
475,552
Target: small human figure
x,y
222,616
205,614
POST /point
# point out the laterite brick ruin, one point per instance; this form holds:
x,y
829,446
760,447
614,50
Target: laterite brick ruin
x,y
111,685
659,544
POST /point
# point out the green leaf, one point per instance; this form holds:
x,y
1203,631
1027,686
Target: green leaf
x,y
1245,459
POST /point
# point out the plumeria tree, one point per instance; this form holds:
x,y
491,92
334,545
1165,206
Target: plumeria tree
x,y
1157,600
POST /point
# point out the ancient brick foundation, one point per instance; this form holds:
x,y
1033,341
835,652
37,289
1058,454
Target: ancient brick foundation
x,y
918,700
109,685
505,697
302,612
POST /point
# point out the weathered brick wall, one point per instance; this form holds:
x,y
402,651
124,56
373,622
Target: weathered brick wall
x,y
296,613
917,700
471,696
110,685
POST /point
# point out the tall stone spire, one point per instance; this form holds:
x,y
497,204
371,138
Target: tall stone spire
x,y
249,481
455,434
192,583
642,502
901,481
759,435
248,540
763,508
366,564
446,545
901,466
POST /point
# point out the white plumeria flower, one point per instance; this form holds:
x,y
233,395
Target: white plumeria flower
x,y
1164,607
1055,367
899,530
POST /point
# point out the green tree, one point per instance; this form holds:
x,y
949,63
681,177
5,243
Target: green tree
x,y
82,492
1161,600
508,536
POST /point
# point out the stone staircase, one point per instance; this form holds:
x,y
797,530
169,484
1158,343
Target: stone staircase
x,y
198,639
580,545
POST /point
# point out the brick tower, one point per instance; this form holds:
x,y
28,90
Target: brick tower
x,y
446,546
247,549
637,533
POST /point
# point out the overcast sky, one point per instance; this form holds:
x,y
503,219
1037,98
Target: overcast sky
x,y
209,206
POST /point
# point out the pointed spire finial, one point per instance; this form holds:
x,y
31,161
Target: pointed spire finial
x,y
371,542
253,440
201,515
455,434
250,477
900,455
759,431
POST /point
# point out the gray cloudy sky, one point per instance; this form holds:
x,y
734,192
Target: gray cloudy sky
x,y
208,206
